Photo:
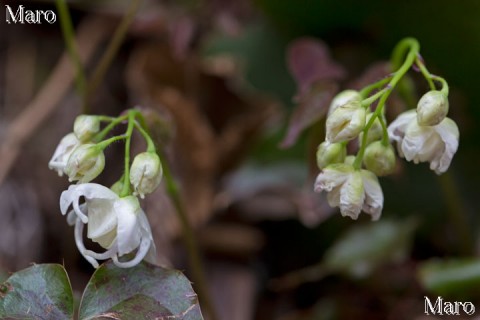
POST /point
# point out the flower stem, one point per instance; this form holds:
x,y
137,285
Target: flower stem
x,y
69,37
146,136
99,136
414,48
126,181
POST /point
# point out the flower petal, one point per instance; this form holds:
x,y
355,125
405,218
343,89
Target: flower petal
x,y
141,253
352,196
373,204
332,176
80,245
128,229
448,132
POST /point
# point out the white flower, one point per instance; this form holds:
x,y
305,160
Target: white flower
x,y
117,224
85,127
62,153
434,144
343,98
346,122
85,163
145,173
351,190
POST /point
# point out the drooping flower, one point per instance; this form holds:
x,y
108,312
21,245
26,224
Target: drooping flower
x,y
145,173
432,108
351,190
328,153
343,98
62,153
379,158
85,163
345,122
434,144
85,127
117,224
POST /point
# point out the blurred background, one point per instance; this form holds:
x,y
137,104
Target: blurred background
x,y
235,92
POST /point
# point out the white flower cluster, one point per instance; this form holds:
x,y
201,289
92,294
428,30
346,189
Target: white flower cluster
x,y
117,223
421,135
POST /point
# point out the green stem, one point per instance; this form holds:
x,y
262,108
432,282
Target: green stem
x,y
146,136
196,265
426,74
366,90
126,181
99,136
105,143
112,49
69,37
368,101
385,138
445,88
410,59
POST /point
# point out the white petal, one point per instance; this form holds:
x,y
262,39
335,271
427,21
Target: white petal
x,y
103,256
352,196
332,176
333,197
396,129
102,218
62,153
415,138
448,131
128,229
147,233
141,253
373,204
80,245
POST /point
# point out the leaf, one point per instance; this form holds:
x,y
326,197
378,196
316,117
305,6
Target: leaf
x,y
42,291
312,106
145,289
309,62
452,276
365,247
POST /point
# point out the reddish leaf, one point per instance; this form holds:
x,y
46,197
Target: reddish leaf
x,y
309,61
311,108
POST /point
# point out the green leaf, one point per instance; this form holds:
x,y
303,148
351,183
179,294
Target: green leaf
x,y
42,291
365,247
452,276
142,292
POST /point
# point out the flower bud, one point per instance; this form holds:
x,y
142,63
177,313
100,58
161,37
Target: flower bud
x,y
145,173
432,108
349,160
328,153
346,122
343,98
85,127
375,132
85,163
62,153
379,159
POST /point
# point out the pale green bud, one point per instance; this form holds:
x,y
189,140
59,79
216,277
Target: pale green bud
x,y
343,98
145,173
379,159
117,187
432,108
328,153
85,127
349,160
374,133
346,122
85,163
